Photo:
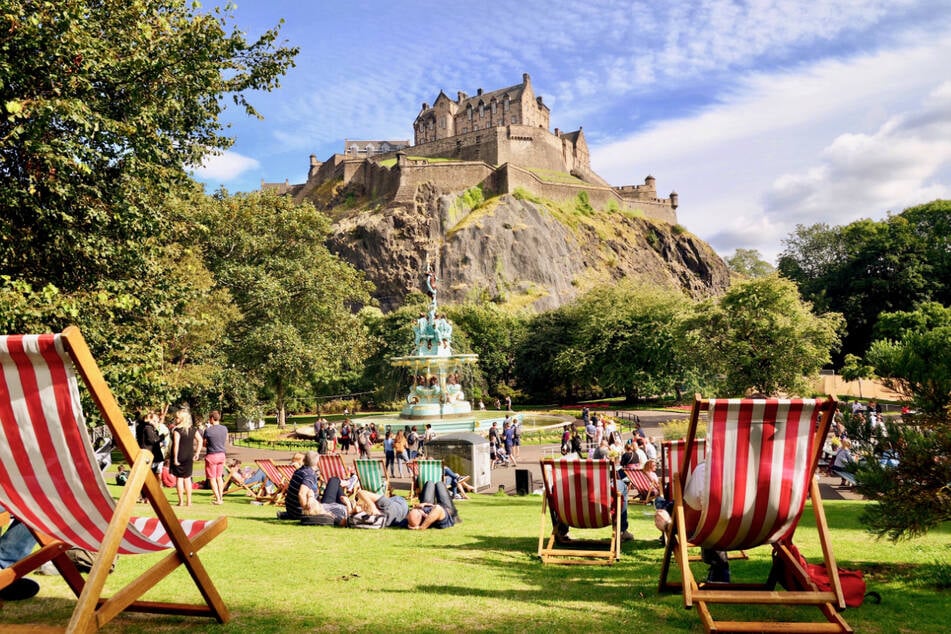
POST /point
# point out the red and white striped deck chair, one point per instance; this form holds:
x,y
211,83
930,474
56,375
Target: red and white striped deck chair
x,y
51,481
581,494
640,487
332,465
279,475
672,460
760,462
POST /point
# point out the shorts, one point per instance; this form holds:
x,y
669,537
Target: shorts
x,y
214,465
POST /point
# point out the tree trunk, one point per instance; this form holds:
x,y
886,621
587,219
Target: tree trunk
x,y
279,406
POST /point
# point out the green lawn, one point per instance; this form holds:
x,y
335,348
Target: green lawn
x,y
482,575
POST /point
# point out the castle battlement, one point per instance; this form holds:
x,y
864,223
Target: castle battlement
x,y
498,140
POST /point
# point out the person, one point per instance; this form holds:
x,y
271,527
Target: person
x,y
481,405
305,477
494,436
399,452
16,543
389,454
435,509
331,437
393,508
216,441
843,460
363,442
412,443
650,448
566,440
576,442
694,501
345,437
508,438
333,502
184,439
508,403
148,438
602,451
428,437
639,450
589,430
458,485
516,438
498,404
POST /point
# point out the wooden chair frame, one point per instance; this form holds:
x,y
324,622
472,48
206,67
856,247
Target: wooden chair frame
x,y
62,354
800,589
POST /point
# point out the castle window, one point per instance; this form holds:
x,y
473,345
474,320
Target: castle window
x,y
481,110
514,119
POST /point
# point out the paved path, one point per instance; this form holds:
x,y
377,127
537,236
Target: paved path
x,y
504,477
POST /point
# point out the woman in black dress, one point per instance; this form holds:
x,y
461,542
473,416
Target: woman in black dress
x,y
183,456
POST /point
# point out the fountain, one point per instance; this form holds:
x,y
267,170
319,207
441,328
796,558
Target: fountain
x,y
436,396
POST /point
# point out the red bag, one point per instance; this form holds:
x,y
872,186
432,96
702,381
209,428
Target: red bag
x,y
853,583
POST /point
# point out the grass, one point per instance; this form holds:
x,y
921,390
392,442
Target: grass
x,y
482,575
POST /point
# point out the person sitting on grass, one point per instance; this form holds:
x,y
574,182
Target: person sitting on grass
x,y
298,500
435,509
458,485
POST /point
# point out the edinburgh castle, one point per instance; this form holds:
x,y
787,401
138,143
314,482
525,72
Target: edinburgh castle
x,y
498,140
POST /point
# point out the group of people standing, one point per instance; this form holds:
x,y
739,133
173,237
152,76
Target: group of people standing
x,y
181,446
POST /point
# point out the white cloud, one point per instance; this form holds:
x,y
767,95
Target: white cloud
x,y
225,167
831,142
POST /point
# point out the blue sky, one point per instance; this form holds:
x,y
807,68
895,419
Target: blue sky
x,y
761,115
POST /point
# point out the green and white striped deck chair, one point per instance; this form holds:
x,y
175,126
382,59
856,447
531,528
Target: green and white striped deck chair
x,y
372,475
424,471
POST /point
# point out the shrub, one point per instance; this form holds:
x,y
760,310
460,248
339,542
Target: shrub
x,y
677,429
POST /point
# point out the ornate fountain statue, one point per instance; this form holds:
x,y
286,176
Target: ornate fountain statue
x,y
436,394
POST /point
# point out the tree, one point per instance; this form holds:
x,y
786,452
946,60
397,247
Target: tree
x,y
917,361
760,336
629,335
494,335
868,267
906,468
296,299
854,370
105,106
749,263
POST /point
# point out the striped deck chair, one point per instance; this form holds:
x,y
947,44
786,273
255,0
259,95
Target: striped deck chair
x,y
759,461
50,480
640,487
232,485
279,475
424,471
672,459
581,494
332,465
372,475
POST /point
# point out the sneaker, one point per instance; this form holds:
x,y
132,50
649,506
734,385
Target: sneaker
x,y
626,536
20,589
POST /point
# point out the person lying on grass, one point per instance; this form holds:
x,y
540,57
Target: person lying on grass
x,y
435,509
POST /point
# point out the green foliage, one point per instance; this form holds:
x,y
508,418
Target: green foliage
x,y
473,197
866,268
749,263
677,429
760,336
494,335
107,105
523,194
918,362
620,339
295,297
583,204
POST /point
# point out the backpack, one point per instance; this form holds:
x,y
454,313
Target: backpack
x,y
852,581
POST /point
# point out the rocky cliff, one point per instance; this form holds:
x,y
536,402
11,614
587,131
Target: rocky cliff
x,y
518,249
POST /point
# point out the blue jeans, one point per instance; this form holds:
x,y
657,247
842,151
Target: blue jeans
x,y
16,543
